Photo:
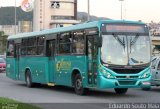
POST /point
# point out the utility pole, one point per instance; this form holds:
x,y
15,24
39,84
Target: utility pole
x,y
15,15
88,10
121,9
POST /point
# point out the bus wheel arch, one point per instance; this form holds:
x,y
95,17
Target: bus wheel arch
x,y
26,71
77,83
74,73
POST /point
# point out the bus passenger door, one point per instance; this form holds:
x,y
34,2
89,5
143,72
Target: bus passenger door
x,y
17,55
51,55
92,60
157,74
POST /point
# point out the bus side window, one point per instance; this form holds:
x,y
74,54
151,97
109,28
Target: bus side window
x,y
32,46
40,45
24,47
65,42
10,49
78,43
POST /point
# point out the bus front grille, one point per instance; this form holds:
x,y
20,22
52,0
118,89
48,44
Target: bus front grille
x,y
127,71
122,77
127,82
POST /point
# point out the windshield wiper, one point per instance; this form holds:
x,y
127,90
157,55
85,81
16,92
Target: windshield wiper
x,y
132,42
122,42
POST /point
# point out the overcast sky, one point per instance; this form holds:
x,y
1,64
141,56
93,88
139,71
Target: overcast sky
x,y
145,10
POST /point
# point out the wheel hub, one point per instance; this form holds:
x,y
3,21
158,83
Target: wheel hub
x,y
78,84
28,80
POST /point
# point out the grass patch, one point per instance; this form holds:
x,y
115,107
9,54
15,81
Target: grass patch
x,y
6,103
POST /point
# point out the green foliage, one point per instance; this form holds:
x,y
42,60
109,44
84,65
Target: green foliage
x,y
84,17
12,104
3,42
7,15
1,33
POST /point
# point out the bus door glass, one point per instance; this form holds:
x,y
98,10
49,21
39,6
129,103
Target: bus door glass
x,y
51,54
10,60
157,75
17,55
92,59
154,65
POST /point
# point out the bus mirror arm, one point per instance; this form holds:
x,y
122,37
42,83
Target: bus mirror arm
x,y
99,41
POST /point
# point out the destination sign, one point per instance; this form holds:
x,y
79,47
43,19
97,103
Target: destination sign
x,y
124,28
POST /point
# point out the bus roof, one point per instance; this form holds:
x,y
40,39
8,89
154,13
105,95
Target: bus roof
x,y
69,28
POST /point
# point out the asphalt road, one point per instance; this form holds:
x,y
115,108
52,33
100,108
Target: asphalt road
x,y
63,95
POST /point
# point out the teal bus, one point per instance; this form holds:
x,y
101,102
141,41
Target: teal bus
x,y
93,55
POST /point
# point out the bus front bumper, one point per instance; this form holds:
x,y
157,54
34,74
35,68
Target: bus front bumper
x,y
103,83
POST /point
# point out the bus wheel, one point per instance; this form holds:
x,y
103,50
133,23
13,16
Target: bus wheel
x,y
146,89
78,87
121,90
28,79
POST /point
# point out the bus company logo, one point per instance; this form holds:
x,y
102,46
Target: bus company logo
x,y
63,65
127,76
58,66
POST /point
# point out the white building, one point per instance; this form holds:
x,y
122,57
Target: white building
x,y
54,13
9,29
22,27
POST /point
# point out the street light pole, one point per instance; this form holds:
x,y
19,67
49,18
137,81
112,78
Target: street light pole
x,y
88,10
121,9
15,15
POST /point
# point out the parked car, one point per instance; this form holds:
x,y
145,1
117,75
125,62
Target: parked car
x,y
155,71
2,65
3,56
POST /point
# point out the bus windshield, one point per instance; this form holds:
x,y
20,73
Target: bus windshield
x,y
125,49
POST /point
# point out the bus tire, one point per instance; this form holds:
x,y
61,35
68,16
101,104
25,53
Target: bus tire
x,y
78,86
146,89
28,79
121,90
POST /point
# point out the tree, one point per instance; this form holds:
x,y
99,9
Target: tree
x,y
3,42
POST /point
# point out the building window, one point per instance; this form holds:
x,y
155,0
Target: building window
x,y
62,18
59,25
55,5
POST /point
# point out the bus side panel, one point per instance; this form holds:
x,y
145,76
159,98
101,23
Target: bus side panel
x,y
51,70
11,68
38,67
64,67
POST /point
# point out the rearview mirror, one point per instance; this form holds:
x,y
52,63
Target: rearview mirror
x,y
153,67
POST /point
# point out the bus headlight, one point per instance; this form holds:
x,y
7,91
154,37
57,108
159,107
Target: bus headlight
x,y
146,75
107,74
